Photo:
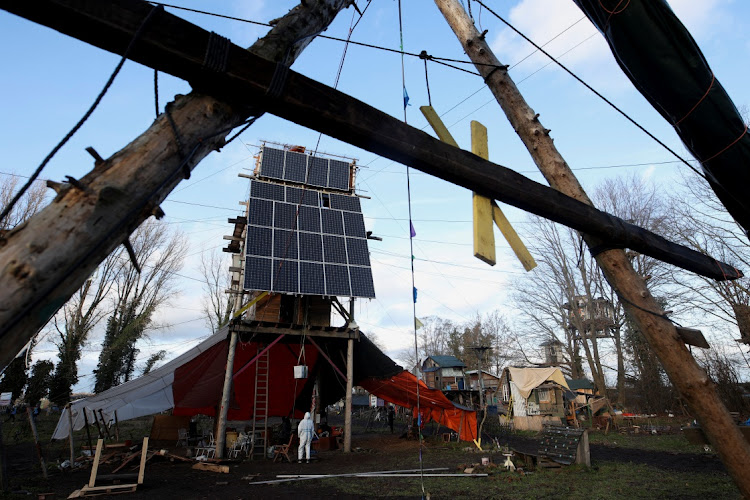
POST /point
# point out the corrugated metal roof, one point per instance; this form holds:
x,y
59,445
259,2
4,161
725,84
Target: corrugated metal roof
x,y
447,361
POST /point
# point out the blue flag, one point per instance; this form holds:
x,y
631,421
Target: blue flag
x,y
406,99
415,295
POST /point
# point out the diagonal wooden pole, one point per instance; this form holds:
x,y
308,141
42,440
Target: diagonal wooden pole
x,y
41,267
684,372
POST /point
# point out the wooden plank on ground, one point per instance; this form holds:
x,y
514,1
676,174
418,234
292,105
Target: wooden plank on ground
x,y
224,469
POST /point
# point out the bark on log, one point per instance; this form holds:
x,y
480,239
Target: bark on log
x,y
47,259
686,375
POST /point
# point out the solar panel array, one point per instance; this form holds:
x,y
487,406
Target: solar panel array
x,y
305,241
305,169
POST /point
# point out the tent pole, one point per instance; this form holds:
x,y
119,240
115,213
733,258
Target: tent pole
x,y
221,430
88,432
72,445
349,387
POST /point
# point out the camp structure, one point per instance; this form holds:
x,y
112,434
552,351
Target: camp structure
x,y
444,372
191,384
533,396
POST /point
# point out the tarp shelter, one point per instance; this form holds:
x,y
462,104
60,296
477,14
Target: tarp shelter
x,y
523,389
191,384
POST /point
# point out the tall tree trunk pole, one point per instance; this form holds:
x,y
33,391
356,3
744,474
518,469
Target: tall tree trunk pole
x,y
44,261
348,400
689,378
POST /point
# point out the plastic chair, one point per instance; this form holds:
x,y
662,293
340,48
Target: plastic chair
x,y
208,450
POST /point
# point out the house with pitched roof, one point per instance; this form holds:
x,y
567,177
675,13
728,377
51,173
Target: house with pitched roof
x,y
444,373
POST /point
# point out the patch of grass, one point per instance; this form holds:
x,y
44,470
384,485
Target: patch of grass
x,y
606,481
674,443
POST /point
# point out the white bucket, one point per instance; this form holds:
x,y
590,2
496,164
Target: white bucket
x,y
485,461
300,371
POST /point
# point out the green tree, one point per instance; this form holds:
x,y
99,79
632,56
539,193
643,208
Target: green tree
x,y
152,360
15,376
39,382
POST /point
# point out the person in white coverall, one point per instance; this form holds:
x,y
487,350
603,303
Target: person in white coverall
x,y
305,433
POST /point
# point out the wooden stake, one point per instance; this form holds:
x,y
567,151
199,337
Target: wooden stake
x,y
117,429
36,442
104,424
686,375
88,431
142,468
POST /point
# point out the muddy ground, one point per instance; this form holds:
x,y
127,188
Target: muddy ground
x,y
373,452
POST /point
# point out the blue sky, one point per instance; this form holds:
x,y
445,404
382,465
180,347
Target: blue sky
x,y
49,80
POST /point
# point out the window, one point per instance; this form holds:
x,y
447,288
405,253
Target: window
x,y
506,393
543,395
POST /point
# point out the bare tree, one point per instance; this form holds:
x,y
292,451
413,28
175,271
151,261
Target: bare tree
x,y
217,304
159,254
701,222
29,204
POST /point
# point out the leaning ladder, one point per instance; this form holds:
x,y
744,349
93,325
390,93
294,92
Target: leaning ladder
x,y
260,405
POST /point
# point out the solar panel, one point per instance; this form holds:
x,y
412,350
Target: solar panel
x,y
272,163
354,225
258,241
285,215
258,273
338,175
362,285
348,203
318,172
267,191
285,276
295,167
311,278
334,249
337,280
285,244
300,239
311,247
333,223
261,212
357,252
309,219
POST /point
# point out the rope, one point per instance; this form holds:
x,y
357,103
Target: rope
x,y
83,119
156,92
411,249
599,95
425,56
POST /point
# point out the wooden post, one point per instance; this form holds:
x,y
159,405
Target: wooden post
x,y
144,453
221,428
95,466
685,373
32,423
98,427
88,431
3,461
117,428
349,387
104,424
583,453
70,436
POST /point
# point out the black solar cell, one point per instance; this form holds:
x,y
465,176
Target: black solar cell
x,y
354,225
362,285
338,176
337,280
272,163
318,172
311,278
286,276
295,167
267,191
357,252
285,216
309,219
311,247
258,273
285,244
260,212
333,223
258,241
334,249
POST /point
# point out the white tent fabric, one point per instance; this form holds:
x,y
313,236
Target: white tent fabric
x,y
146,395
527,379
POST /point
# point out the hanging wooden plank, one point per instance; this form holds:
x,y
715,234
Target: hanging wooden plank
x,y
484,237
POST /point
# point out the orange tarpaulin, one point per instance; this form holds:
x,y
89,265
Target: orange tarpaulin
x,y
401,389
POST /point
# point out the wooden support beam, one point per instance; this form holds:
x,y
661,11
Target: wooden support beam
x,y
39,453
226,395
298,332
484,236
688,377
348,398
44,262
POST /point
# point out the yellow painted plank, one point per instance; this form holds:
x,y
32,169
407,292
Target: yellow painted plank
x,y
484,237
523,254
437,125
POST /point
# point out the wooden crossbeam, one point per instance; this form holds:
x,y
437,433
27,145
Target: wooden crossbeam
x,y
175,46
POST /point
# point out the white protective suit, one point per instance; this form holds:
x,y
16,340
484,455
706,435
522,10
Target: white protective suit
x,y
305,433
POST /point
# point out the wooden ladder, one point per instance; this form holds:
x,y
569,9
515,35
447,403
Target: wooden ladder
x,y
260,405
